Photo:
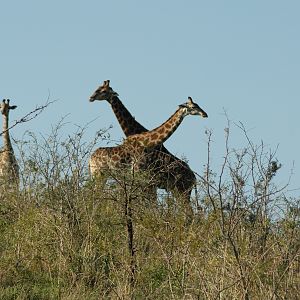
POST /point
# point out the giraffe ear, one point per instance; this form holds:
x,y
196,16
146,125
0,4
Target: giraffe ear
x,y
13,107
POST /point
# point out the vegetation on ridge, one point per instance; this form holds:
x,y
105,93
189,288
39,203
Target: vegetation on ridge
x,y
63,236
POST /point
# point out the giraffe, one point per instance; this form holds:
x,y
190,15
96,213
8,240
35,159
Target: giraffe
x,y
9,169
171,173
135,148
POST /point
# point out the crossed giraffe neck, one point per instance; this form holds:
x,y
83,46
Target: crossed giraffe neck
x,y
160,134
131,127
171,173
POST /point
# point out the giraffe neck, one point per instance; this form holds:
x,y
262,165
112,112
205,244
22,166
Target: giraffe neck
x,y
160,134
6,138
126,120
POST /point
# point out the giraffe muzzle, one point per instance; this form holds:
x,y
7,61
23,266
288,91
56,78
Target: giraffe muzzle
x,y
204,114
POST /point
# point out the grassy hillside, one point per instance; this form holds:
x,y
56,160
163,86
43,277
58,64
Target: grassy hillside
x,y
66,236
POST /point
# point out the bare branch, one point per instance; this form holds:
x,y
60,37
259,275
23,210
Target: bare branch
x,y
30,116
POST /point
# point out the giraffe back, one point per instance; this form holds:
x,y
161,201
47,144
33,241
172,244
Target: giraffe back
x,y
125,156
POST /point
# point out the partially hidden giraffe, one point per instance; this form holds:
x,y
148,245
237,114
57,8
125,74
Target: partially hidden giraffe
x,y
171,173
137,149
9,169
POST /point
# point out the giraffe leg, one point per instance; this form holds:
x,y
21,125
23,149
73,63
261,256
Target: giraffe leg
x,y
189,212
185,198
99,180
151,194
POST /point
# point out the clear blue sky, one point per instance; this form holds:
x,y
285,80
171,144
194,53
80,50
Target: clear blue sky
x,y
241,56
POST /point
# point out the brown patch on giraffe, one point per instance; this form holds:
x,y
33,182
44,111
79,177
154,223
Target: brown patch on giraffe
x,y
115,158
114,150
130,127
154,136
161,136
168,125
161,130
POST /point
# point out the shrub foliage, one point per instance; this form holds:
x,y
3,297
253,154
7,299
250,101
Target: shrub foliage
x,y
65,235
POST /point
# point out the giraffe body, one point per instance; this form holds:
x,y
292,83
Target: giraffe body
x,y
171,173
9,169
125,156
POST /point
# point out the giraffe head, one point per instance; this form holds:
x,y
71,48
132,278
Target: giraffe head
x,y
103,92
5,107
192,108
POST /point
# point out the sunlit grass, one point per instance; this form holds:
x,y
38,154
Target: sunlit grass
x,y
63,237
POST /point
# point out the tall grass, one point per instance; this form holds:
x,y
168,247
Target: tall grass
x,y
67,236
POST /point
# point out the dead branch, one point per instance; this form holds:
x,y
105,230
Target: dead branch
x,y
30,116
